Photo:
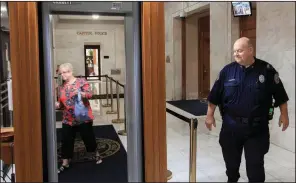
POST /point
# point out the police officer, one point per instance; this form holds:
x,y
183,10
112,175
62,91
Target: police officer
x,y
244,92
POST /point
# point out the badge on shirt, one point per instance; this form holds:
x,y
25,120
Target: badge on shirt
x,y
276,78
261,78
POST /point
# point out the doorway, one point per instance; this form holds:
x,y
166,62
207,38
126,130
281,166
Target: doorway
x,y
130,12
92,60
247,27
204,56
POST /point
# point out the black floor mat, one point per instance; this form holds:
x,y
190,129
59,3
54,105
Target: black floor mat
x,y
84,169
194,107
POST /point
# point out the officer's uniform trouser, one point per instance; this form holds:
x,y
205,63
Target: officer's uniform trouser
x,y
68,138
255,142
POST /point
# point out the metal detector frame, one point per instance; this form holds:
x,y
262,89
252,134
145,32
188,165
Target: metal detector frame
x,y
133,86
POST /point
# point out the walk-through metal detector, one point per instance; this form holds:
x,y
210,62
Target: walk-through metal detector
x,y
133,102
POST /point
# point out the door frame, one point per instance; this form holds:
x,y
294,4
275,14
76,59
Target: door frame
x,y
184,59
200,62
26,71
133,89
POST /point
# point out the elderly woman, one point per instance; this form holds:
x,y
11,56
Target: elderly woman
x,y
66,101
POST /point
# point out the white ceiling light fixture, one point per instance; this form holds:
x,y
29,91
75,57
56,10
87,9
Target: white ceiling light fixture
x,y
3,9
95,17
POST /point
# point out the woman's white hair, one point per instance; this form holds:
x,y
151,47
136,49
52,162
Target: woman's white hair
x,y
67,66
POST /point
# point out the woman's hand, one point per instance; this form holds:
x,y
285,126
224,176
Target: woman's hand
x,y
83,94
57,105
75,91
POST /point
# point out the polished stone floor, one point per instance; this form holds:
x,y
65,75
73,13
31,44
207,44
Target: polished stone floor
x,y
279,163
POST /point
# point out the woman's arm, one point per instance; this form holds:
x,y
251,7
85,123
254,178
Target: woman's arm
x,y
59,104
86,91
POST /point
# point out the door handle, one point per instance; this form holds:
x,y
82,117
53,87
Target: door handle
x,y
204,71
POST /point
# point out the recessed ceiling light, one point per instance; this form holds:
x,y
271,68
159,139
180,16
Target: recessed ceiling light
x,y
3,8
95,16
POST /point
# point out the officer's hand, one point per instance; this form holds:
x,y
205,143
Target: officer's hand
x,y
210,120
284,119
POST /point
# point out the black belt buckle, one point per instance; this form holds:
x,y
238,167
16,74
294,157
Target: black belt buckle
x,y
242,120
257,119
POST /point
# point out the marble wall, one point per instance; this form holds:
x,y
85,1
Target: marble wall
x,y
69,47
191,57
275,43
221,40
220,43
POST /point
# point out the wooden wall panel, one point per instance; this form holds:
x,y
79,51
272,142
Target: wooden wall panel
x,y
153,67
26,90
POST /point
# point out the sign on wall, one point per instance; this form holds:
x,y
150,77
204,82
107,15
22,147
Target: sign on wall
x,y
91,33
116,5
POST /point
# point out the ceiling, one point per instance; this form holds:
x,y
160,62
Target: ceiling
x,y
88,17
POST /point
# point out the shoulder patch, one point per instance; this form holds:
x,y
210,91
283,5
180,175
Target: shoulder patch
x,y
276,78
268,66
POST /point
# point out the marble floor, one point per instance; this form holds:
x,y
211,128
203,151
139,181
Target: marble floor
x,y
279,163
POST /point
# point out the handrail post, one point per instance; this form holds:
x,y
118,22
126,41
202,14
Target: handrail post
x,y
118,120
123,132
192,158
169,174
111,92
107,94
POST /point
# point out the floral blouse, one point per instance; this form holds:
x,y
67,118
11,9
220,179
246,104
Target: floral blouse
x,y
67,100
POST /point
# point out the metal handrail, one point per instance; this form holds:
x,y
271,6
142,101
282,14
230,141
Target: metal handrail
x,y
193,123
116,81
106,75
80,76
3,84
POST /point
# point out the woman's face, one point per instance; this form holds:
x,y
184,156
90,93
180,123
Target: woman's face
x,y
66,73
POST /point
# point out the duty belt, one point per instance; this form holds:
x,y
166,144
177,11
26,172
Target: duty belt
x,y
243,120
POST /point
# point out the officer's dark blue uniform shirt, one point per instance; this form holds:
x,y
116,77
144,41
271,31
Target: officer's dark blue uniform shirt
x,y
248,92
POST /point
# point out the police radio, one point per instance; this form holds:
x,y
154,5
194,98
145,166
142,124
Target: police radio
x,y
271,111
